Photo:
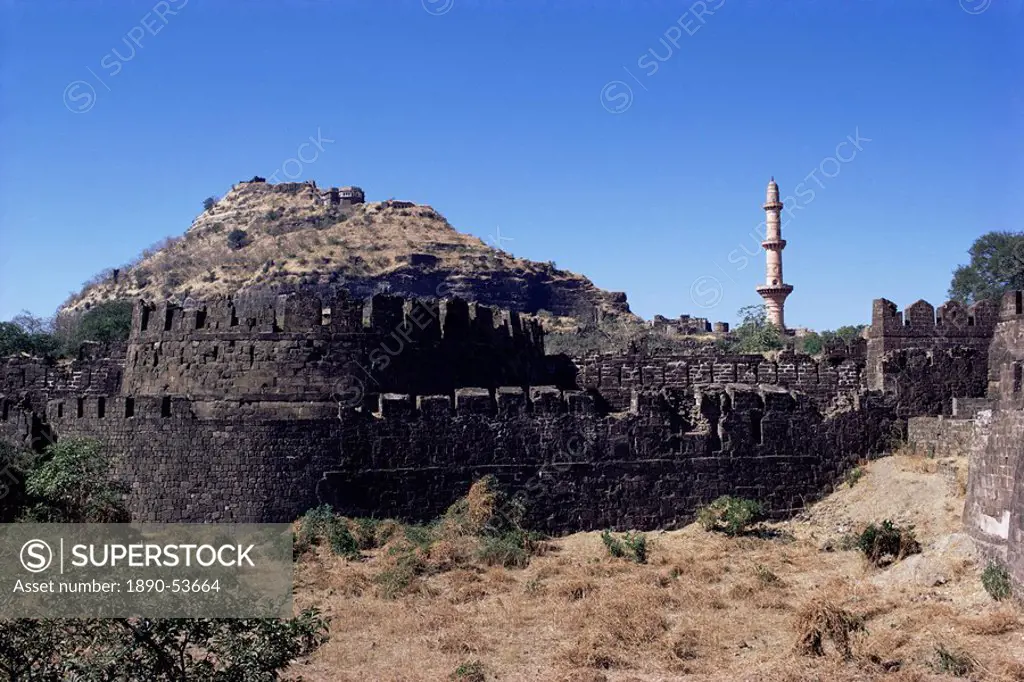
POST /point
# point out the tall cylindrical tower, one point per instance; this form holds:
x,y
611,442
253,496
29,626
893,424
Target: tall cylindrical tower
x,y
774,290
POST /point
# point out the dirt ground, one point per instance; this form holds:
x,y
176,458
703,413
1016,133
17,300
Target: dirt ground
x,y
704,607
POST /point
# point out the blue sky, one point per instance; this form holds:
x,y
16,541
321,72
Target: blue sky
x,y
628,141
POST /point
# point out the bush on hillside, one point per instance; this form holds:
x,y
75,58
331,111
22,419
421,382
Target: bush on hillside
x,y
887,543
730,515
237,239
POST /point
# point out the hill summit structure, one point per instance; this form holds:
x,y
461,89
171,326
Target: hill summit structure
x,y
774,290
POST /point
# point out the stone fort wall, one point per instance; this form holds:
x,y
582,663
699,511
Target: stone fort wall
x,y
187,460
255,409
926,356
994,512
300,347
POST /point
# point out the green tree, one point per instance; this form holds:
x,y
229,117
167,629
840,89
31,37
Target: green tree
x,y
123,650
106,322
997,266
755,334
209,202
811,343
71,483
26,333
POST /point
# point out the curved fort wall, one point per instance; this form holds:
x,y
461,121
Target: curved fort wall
x,y
994,510
300,347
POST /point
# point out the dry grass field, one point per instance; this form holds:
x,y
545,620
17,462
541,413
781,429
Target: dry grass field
x,y
704,607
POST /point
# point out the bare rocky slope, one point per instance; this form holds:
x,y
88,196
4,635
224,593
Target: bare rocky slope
x,y
264,237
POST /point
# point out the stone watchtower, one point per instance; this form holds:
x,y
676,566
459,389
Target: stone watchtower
x,y
774,291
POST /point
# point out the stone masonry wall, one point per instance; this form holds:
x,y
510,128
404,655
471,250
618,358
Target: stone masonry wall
x,y
994,512
615,377
926,357
299,347
650,467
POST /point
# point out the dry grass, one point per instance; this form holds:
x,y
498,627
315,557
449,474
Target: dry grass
x,y
705,607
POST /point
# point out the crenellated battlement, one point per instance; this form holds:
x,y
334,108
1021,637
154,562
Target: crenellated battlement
x,y
921,319
615,377
927,356
299,346
309,315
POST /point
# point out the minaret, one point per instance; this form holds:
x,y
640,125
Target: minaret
x,y
774,291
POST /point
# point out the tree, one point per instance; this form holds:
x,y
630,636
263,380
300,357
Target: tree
x,y
106,322
997,266
26,333
209,203
72,484
237,239
755,333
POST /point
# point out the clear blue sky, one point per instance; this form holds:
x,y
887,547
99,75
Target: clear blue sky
x,y
497,114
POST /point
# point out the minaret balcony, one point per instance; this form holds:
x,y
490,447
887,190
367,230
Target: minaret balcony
x,y
773,244
775,289
773,206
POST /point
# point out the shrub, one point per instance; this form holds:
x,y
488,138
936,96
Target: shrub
x,y
472,671
854,475
886,543
632,546
765,575
730,515
209,203
996,581
237,239
951,662
321,523
157,649
510,550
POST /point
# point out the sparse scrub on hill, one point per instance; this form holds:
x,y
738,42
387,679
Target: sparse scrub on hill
x,y
730,515
996,581
209,203
615,336
887,543
632,546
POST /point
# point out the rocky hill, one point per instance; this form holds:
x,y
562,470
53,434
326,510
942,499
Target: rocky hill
x,y
264,237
